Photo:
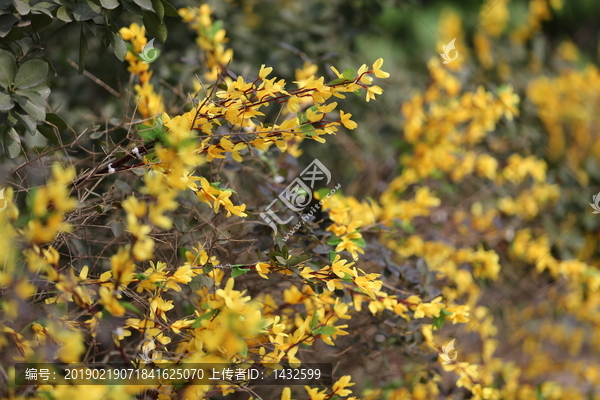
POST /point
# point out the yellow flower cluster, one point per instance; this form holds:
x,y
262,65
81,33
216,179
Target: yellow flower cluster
x,y
149,103
211,38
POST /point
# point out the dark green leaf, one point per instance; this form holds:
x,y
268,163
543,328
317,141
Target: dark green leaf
x,y
21,7
281,260
85,10
159,9
315,266
132,8
7,21
332,255
109,4
325,330
154,26
91,26
64,14
56,120
32,95
37,112
12,146
123,186
26,120
131,307
235,272
144,4
200,281
179,222
44,7
83,51
117,227
6,103
295,260
31,73
170,11
40,21
119,46
8,68
48,133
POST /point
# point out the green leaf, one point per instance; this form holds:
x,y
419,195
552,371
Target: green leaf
x,y
281,260
149,133
26,120
48,133
200,281
57,121
8,68
198,321
302,119
123,186
307,129
44,7
117,227
37,112
179,222
6,103
32,95
64,14
85,9
337,81
439,321
159,9
119,46
11,145
131,307
21,7
83,51
144,4
235,272
349,74
315,320
170,11
91,26
31,73
109,4
360,242
325,330
334,240
332,255
445,312
295,260
315,266
154,26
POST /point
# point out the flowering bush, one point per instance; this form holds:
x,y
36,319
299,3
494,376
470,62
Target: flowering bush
x,y
146,236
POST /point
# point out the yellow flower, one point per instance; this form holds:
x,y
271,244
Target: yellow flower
x,y
346,121
339,388
110,302
377,69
